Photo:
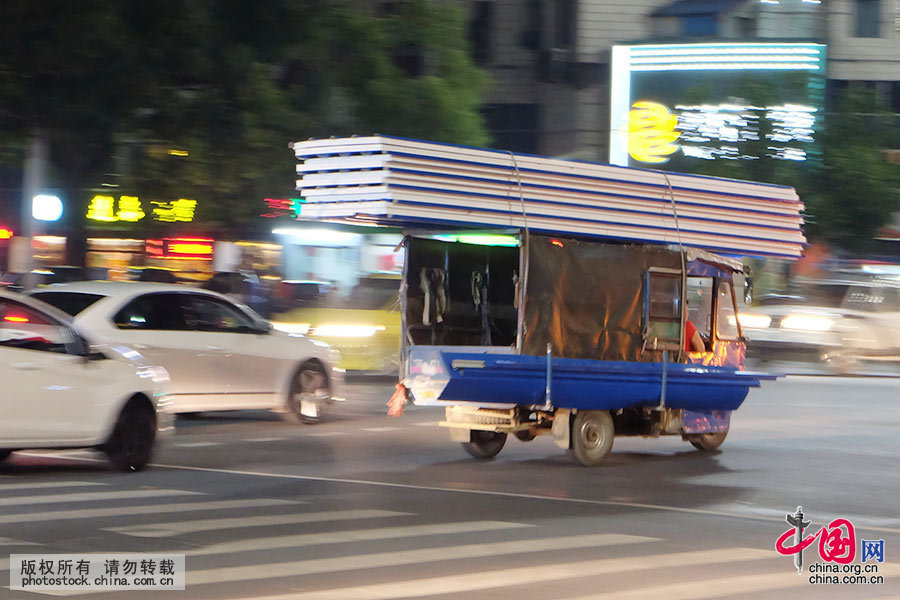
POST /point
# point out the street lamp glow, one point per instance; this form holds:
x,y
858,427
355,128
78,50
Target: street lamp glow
x,y
45,207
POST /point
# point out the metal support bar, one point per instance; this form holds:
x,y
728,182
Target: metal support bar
x,y
665,376
548,404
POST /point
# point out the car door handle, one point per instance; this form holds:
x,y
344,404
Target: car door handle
x,y
25,366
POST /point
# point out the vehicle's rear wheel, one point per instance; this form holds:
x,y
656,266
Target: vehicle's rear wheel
x,y
485,444
308,388
707,442
4,454
592,436
131,443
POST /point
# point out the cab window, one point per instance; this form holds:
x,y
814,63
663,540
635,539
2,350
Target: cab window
x,y
700,302
153,312
726,320
662,310
25,328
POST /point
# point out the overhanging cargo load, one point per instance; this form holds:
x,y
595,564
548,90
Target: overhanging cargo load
x,y
409,183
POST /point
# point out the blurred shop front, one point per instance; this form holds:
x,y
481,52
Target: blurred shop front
x,y
338,255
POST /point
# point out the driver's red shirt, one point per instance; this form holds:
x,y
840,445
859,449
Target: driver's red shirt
x,y
689,331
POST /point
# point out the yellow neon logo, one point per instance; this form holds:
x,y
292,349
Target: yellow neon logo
x,y
102,208
651,132
130,209
181,210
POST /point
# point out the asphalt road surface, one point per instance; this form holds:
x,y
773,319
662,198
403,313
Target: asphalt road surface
x,y
362,506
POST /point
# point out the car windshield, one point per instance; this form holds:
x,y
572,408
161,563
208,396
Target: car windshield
x,y
71,303
373,294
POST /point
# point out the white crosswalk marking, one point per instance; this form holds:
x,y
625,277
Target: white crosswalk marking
x,y
355,535
118,511
722,587
483,580
45,484
91,497
407,557
5,541
179,527
197,444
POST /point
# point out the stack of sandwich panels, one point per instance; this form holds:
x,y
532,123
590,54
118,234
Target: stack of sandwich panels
x,y
410,183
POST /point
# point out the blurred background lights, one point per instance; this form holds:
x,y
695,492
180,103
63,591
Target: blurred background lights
x,y
45,207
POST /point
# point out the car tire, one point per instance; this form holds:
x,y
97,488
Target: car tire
x,y
4,454
131,444
707,442
484,444
307,386
593,432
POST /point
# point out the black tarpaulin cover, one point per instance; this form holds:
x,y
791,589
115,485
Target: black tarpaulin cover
x,y
587,298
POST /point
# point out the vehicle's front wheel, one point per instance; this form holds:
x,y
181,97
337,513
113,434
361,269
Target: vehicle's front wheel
x,y
485,444
707,442
592,436
4,454
131,443
308,387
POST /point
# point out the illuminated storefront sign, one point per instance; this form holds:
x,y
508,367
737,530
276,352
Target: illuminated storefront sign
x,y
129,209
5,234
282,207
181,210
682,102
181,248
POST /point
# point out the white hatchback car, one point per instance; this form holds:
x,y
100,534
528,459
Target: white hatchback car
x,y
219,354
59,392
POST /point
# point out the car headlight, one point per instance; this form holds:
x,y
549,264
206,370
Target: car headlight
x,y
347,330
292,328
751,321
806,323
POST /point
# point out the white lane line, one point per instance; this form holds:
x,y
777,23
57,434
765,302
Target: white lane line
x,y
5,541
265,439
753,516
484,580
118,511
328,433
725,587
158,530
352,535
46,484
197,444
92,496
407,557
379,429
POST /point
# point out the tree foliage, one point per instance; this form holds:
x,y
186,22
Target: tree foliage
x,y
116,86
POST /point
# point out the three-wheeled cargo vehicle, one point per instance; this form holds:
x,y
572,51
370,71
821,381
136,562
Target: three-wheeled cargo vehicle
x,y
550,297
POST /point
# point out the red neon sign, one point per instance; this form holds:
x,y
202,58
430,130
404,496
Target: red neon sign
x,y
181,248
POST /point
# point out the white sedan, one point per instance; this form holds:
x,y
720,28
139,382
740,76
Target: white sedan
x,y
59,392
219,354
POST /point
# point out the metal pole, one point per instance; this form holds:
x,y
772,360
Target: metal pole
x,y
32,185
